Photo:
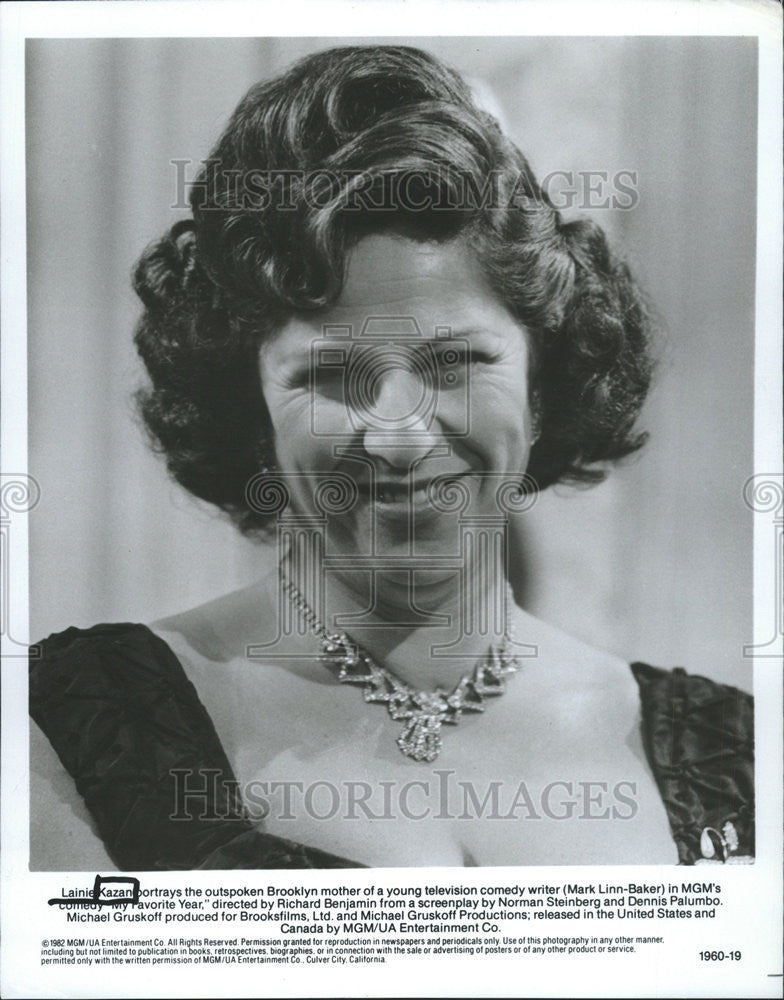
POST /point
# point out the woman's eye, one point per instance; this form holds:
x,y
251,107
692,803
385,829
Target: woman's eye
x,y
454,356
455,362
328,382
463,355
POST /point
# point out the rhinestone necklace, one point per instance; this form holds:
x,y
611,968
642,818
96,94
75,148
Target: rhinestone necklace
x,y
422,712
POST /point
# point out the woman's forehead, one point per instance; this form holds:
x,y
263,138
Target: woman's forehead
x,y
389,262
439,285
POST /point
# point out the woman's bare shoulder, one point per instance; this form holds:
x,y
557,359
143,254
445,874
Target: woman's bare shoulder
x,y
221,629
564,655
573,682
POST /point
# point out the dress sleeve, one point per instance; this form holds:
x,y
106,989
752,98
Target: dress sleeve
x,y
699,739
128,725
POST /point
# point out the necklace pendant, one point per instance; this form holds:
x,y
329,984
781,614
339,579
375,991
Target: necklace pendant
x,y
422,712
421,736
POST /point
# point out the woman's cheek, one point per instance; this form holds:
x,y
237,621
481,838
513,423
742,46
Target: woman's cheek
x,y
309,433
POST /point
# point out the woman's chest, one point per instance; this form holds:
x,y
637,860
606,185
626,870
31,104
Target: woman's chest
x,y
511,786
380,815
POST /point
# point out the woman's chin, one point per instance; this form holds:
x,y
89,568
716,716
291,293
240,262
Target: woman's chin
x,y
416,592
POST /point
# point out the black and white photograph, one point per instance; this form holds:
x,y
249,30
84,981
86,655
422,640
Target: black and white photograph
x,y
394,496
373,338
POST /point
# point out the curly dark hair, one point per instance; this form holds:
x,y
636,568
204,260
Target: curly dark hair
x,y
293,183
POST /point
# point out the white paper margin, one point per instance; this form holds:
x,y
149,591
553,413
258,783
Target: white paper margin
x,y
758,922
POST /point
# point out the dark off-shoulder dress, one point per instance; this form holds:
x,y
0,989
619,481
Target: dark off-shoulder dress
x,y
124,719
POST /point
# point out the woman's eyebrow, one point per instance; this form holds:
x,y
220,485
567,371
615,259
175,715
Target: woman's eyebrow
x,y
479,333
472,331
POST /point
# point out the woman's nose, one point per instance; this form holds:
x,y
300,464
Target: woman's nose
x,y
399,417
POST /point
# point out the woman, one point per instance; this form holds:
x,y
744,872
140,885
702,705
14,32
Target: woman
x,y
375,340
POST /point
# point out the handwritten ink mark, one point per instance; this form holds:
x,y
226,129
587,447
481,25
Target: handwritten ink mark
x,y
96,898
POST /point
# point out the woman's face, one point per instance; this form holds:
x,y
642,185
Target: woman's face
x,y
417,371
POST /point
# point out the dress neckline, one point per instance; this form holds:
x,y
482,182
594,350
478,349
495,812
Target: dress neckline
x,y
120,711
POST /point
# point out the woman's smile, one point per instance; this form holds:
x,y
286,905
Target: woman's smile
x,y
396,496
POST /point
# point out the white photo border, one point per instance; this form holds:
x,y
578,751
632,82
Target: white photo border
x,y
22,892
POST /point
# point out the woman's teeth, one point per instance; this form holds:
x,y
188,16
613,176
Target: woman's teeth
x,y
386,493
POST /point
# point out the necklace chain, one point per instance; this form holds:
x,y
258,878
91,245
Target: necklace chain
x,y
422,713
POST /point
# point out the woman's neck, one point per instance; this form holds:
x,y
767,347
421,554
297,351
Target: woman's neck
x,y
429,630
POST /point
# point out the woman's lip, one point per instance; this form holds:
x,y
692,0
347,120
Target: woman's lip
x,y
396,499
395,493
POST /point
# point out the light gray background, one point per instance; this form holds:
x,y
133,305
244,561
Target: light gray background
x,y
655,564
